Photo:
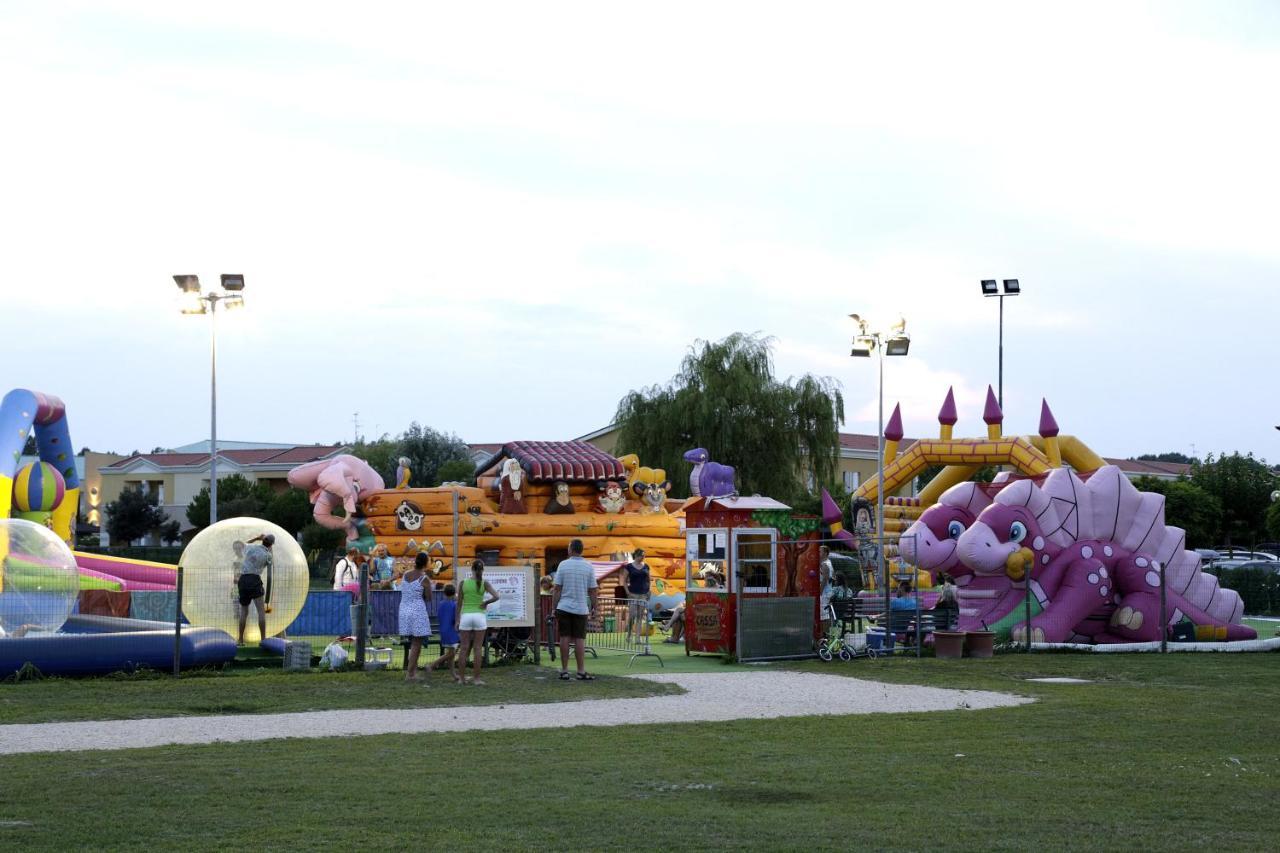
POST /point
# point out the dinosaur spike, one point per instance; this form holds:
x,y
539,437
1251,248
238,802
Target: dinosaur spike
x,y
1048,426
893,429
947,414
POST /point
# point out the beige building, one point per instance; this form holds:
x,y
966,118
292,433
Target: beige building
x,y
176,477
88,468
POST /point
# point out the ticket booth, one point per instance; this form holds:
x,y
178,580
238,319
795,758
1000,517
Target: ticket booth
x,y
750,591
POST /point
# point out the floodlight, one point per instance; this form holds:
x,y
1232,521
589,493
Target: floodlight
x,y
187,283
235,300
990,287
898,344
1011,287
862,346
235,283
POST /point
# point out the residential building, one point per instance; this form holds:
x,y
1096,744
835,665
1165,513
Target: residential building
x,y
88,468
176,477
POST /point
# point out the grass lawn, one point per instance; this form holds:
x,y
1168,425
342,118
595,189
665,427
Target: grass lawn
x,y
271,690
1173,752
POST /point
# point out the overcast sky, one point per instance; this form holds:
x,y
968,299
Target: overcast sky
x,y
498,220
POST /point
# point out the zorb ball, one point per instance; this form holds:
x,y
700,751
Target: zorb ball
x,y
210,596
39,581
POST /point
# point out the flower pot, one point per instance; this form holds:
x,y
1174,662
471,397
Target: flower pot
x,y
981,644
948,644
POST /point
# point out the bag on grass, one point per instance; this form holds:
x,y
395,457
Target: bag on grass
x,y
334,657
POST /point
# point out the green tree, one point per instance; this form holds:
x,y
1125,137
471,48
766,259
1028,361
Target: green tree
x,y
1172,456
134,515
458,471
726,399
1188,506
1244,486
1273,521
290,509
237,496
426,449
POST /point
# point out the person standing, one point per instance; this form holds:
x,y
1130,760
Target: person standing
x,y
947,608
415,622
825,573
638,583
346,572
256,560
449,639
576,599
471,623
380,568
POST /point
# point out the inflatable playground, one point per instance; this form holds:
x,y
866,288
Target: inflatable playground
x,y
1057,524
42,579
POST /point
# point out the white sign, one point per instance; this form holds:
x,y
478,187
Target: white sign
x,y
516,588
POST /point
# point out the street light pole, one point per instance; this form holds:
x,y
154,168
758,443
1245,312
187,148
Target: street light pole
x,y
207,303
213,409
991,288
883,568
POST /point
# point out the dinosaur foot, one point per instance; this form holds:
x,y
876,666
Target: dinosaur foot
x,y
1019,634
1127,617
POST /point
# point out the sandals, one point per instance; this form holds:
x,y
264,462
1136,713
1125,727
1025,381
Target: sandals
x,y
586,676
564,676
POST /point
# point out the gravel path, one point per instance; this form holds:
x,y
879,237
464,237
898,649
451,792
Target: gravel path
x,y
710,697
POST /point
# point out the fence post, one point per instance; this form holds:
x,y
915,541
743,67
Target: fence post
x,y
1164,616
362,630
1026,603
177,625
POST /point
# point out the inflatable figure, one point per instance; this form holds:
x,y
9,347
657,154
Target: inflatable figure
x,y
709,479
560,503
334,482
930,542
653,497
1094,552
403,473
636,473
511,498
612,499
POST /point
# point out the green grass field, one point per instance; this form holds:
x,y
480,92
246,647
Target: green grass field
x,y
1175,752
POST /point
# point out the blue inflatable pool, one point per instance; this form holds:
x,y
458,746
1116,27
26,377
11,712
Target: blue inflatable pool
x,y
96,649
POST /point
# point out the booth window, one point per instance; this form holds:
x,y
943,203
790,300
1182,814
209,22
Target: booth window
x,y
706,552
757,563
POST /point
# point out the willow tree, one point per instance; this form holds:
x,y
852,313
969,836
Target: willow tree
x,y
725,398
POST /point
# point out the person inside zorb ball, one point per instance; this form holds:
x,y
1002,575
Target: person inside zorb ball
x,y
39,581
233,568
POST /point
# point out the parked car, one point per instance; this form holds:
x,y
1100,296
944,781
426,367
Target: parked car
x,y
1245,554
1272,566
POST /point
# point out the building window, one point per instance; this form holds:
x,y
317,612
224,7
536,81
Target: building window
x,y
850,481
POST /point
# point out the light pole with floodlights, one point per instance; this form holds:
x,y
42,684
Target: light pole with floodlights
x,y
896,342
195,302
1011,288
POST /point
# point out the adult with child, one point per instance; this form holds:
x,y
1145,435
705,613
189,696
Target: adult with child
x,y
381,568
576,599
449,639
415,622
638,580
255,560
476,595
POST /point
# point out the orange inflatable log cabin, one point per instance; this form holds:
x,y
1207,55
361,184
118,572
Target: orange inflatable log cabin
x,y
531,499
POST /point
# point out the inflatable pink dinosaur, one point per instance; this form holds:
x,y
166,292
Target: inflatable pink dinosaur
x,y
335,482
1094,550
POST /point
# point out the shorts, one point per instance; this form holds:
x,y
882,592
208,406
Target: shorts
x,y
444,645
250,587
473,622
572,626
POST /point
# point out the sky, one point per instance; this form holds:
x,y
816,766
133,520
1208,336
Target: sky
x,y
498,219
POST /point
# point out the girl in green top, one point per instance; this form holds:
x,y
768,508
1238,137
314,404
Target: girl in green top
x,y
476,595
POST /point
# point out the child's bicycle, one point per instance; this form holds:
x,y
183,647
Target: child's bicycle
x,y
832,645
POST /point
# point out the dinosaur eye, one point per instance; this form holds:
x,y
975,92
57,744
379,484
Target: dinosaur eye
x,y
954,529
1017,531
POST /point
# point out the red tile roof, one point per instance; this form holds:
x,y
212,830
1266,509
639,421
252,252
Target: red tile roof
x,y
269,456
547,461
859,441
1156,469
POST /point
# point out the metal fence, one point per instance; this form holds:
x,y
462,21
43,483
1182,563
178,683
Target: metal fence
x,y
624,625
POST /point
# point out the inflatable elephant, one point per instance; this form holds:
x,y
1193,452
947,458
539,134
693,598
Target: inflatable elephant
x,y
338,481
